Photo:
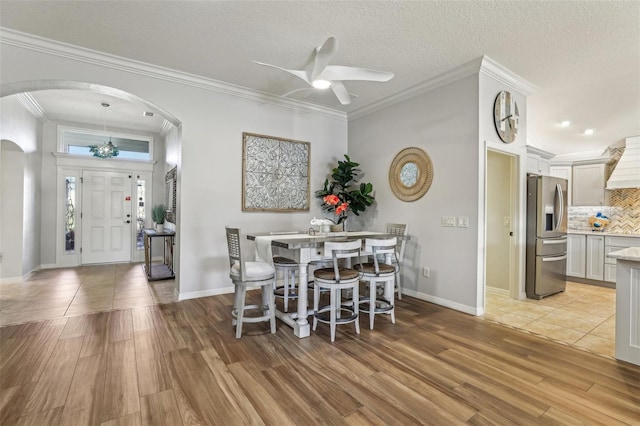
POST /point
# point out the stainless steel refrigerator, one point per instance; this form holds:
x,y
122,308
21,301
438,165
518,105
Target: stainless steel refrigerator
x,y
546,264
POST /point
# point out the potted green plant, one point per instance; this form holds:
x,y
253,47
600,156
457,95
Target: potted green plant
x,y
342,194
158,214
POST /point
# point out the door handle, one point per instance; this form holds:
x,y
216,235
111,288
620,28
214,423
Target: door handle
x,y
554,259
558,241
127,221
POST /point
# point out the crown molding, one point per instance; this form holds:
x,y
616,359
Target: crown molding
x,y
81,54
32,106
465,70
503,75
541,152
484,64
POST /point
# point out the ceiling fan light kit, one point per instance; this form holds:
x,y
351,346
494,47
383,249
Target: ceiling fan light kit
x,y
320,75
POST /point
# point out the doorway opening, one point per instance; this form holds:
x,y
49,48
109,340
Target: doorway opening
x,y
501,217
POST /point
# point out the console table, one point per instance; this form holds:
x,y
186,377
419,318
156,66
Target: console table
x,y
162,271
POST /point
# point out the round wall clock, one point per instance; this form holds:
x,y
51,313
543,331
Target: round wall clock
x,y
506,116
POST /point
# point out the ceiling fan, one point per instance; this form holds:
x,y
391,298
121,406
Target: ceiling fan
x,y
320,75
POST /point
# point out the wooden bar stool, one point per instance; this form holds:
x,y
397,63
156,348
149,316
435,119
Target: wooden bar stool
x,y
287,290
375,273
249,274
335,279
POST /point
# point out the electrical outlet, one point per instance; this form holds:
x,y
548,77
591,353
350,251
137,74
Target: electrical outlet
x,y
448,221
463,222
425,272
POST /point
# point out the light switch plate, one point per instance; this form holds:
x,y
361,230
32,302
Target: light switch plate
x,y
448,221
463,222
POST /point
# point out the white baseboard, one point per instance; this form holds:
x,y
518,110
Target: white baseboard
x,y
471,310
205,293
11,280
14,280
50,266
499,291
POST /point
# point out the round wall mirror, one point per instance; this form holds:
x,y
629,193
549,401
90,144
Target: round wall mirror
x,y
410,174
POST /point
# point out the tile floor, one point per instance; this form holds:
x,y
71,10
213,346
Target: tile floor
x,y
57,293
582,316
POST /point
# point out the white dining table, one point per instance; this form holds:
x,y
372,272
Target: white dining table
x,y
303,248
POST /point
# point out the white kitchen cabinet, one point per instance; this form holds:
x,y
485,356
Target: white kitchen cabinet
x,y
610,273
615,243
564,172
538,161
576,255
537,165
595,257
588,185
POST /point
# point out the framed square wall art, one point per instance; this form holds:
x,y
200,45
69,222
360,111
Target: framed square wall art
x,y
275,174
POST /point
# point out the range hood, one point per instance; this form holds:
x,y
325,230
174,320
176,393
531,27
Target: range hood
x,y
626,174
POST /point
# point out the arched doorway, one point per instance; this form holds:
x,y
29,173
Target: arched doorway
x,y
12,162
44,214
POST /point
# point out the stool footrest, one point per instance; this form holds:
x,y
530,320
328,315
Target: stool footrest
x,y
260,318
342,320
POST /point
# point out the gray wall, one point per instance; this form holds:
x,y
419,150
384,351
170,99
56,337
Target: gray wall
x,y
444,123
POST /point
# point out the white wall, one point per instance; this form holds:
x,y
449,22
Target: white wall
x,y
444,123
21,172
490,86
12,209
210,161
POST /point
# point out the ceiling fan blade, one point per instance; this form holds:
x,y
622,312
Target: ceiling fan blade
x,y
298,73
304,89
339,72
341,92
323,55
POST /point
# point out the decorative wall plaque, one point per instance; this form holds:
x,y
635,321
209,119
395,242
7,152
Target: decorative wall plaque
x,y
275,174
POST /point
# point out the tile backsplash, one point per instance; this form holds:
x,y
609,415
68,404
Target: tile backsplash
x,y
623,213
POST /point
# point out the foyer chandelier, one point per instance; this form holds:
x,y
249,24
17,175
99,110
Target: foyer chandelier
x,y
107,149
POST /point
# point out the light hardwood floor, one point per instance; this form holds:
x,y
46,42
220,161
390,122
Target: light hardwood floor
x,y
179,363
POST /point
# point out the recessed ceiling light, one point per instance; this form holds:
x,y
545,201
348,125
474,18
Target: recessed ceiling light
x,y
589,132
321,84
565,123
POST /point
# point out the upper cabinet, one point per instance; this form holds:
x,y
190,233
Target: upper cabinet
x,y
589,181
538,161
564,172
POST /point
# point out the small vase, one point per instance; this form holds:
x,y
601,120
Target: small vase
x,y
159,227
336,228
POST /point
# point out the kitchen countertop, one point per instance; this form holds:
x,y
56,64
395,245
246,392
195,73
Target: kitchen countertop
x,y
617,234
630,253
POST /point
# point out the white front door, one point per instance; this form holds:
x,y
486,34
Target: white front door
x,y
106,217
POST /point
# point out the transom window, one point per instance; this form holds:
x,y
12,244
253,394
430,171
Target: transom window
x,y
131,147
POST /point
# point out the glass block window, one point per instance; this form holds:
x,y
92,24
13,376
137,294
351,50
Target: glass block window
x,y
70,215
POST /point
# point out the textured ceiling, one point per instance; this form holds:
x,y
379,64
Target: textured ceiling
x,y
584,57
